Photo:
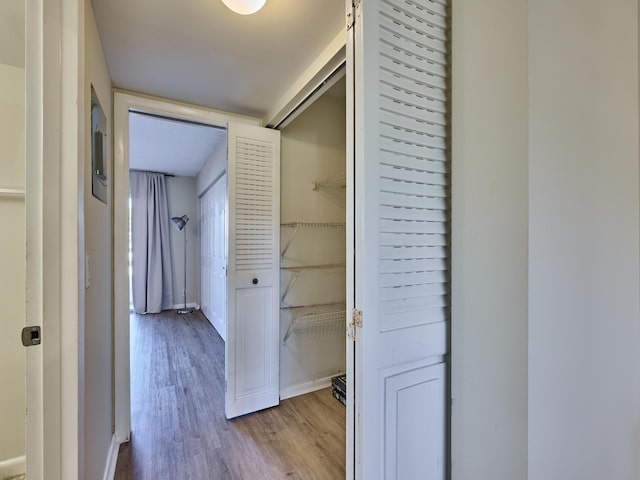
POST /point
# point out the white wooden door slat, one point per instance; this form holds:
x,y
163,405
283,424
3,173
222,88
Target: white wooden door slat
x,y
414,311
412,201
411,41
405,278
412,291
413,163
258,205
408,226
418,125
413,265
396,172
437,9
404,72
411,188
413,92
408,104
389,145
400,253
418,19
417,120
252,352
411,137
394,103
412,240
415,214
393,50
256,181
402,188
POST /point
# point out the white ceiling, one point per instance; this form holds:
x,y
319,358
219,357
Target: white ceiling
x,y
170,146
198,51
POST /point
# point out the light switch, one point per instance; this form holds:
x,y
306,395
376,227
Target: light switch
x,y
87,271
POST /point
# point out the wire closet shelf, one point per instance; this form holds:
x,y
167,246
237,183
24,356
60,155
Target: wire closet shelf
x,y
316,321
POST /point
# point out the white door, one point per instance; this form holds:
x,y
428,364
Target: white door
x,y
219,256
252,346
55,113
400,62
213,210
205,260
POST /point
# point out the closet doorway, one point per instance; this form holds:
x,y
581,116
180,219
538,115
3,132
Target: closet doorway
x,y
313,244
324,347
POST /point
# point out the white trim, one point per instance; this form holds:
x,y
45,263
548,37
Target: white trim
x,y
54,185
123,102
350,255
183,111
34,97
13,467
306,387
112,459
11,192
326,63
178,306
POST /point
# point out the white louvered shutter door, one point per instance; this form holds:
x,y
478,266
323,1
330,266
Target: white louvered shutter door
x,y
401,73
252,349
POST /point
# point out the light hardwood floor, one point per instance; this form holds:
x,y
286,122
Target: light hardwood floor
x,y
179,430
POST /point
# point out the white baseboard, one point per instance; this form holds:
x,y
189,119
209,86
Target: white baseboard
x,y
189,305
306,387
112,459
13,467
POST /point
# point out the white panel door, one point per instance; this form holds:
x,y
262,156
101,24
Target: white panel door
x,y
400,65
252,347
218,235
205,257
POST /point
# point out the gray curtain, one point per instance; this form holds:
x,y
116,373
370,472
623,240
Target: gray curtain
x,y
152,282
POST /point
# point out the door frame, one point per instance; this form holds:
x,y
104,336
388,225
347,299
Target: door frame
x,y
123,103
55,135
352,449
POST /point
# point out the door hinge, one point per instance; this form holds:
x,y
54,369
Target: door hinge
x,y
351,15
356,321
31,336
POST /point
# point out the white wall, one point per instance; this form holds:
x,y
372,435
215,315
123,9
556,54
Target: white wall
x,y
584,313
545,299
182,200
489,251
12,261
312,148
213,168
98,231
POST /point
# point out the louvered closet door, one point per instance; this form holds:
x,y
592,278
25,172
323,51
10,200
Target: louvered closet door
x,y
401,72
252,347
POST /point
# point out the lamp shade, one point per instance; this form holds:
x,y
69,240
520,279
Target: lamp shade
x,y
179,222
244,7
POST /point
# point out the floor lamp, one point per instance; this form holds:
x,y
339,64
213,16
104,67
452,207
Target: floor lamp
x,y
179,223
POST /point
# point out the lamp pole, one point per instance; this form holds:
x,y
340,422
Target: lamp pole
x,y
181,224
185,310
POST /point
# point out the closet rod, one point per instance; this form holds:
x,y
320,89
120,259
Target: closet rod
x,y
327,83
178,120
151,171
11,192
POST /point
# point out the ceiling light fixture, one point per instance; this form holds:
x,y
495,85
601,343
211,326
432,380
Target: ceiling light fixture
x,y
244,7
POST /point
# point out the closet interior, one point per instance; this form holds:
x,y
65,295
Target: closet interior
x,y
312,237
312,243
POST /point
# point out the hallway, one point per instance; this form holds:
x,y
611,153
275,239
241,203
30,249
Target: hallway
x,y
178,425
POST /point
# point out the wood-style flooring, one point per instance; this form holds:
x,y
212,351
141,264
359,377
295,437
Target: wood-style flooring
x,y
179,430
